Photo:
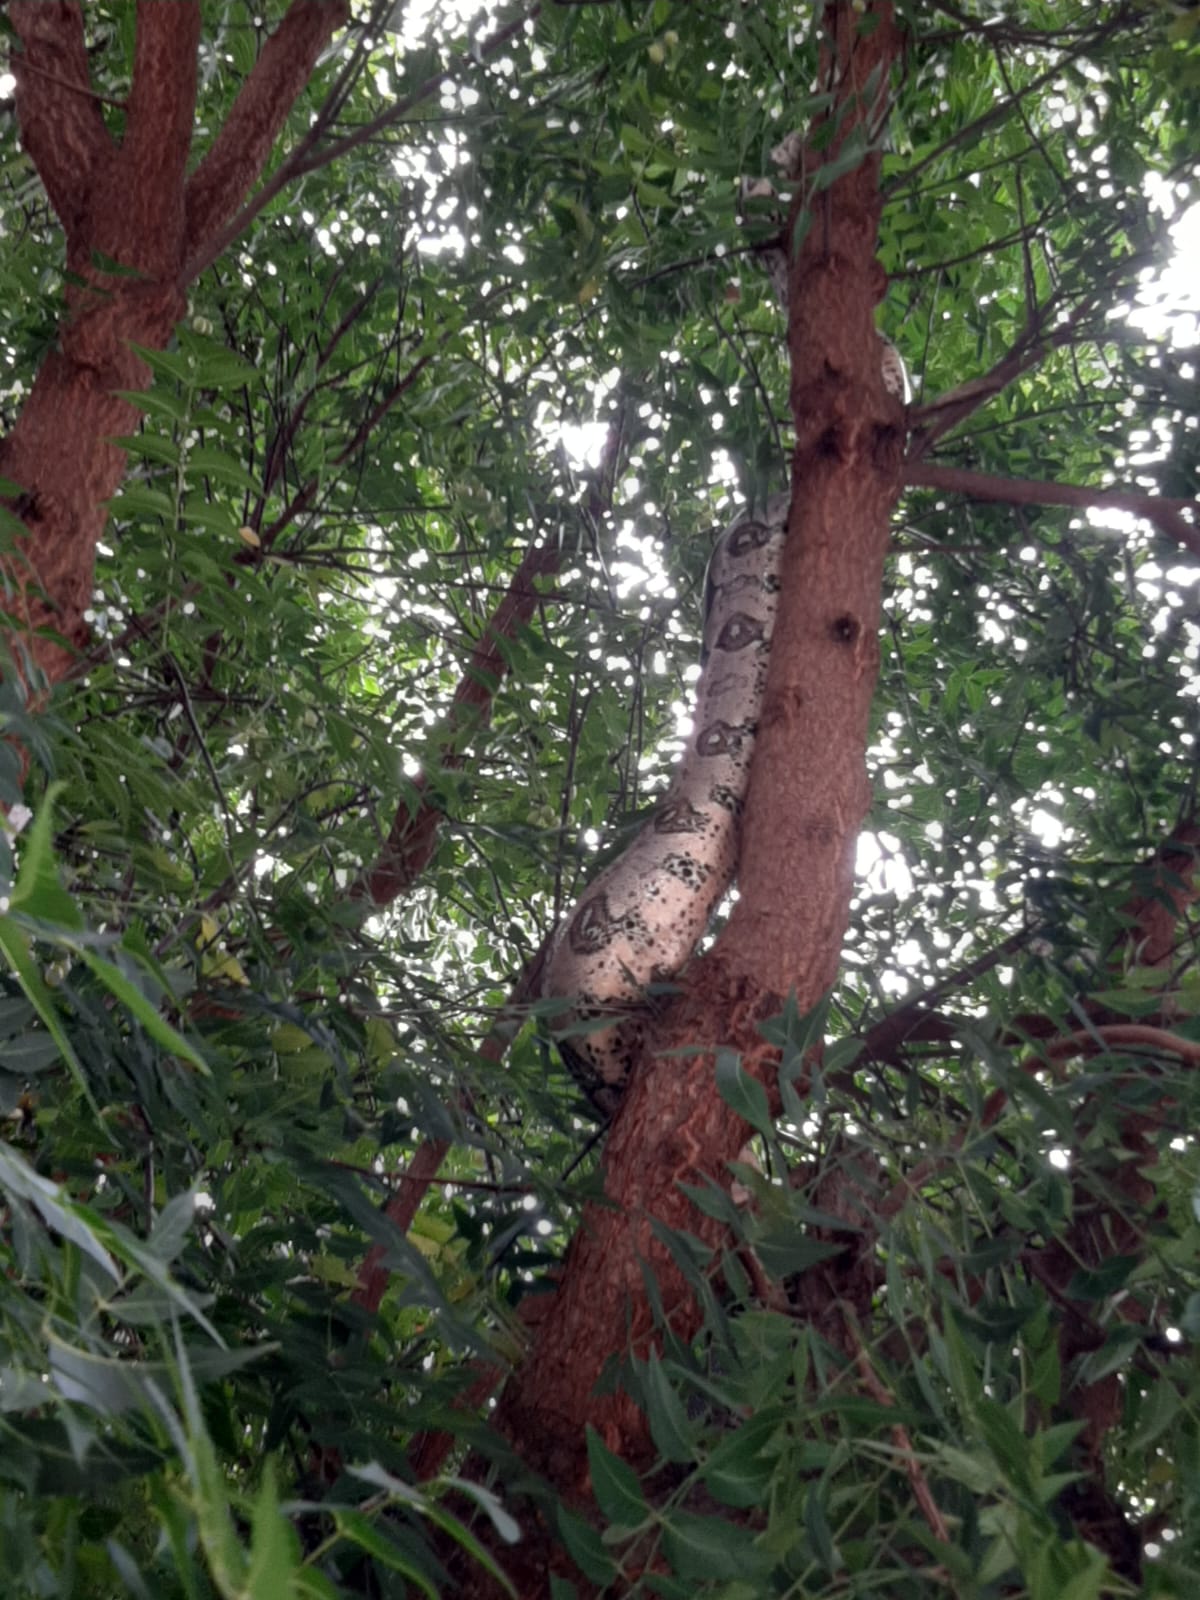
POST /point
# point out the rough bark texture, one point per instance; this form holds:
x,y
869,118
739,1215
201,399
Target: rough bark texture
x,y
808,796
131,217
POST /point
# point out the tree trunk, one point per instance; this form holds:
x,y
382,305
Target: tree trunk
x,y
808,795
132,220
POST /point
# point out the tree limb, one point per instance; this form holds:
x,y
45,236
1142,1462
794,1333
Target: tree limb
x,y
929,422
413,833
901,1439
1166,515
248,133
158,129
410,843
1118,1035
61,125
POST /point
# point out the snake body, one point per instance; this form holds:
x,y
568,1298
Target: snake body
x,y
638,922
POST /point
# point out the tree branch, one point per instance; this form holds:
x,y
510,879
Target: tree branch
x,y
929,422
61,125
374,1274
1166,515
413,833
362,433
248,133
158,129
883,1396
1088,40
1118,1035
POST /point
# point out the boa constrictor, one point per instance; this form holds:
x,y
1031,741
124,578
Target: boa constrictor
x,y
638,922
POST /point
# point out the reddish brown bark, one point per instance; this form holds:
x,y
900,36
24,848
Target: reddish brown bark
x,y
131,220
1158,931
807,799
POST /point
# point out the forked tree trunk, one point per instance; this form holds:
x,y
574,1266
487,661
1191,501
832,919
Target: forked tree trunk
x,y
808,797
133,220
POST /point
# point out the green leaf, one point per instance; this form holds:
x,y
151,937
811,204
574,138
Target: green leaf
x,y
38,891
783,1251
743,1093
172,1227
355,1527
18,1179
211,516
1097,1283
739,1470
221,467
505,1525
820,1535
227,1560
151,447
16,952
584,1546
137,500
130,996
673,1434
616,1487
164,403
704,1548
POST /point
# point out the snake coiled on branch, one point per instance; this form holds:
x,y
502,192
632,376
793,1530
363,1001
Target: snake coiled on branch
x,y
640,919
638,922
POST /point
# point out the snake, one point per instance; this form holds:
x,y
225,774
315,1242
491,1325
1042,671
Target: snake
x,y
637,923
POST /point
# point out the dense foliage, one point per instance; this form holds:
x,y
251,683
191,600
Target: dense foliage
x,y
216,1054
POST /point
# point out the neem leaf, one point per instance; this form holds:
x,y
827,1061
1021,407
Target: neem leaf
x,y
616,1487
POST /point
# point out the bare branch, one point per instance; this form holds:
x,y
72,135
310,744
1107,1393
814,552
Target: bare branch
x,y
997,112
920,1018
60,119
1166,515
1118,1035
410,843
249,131
1011,33
206,246
900,1437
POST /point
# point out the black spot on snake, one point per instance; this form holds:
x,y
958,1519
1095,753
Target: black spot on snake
x,y
741,631
722,738
682,817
